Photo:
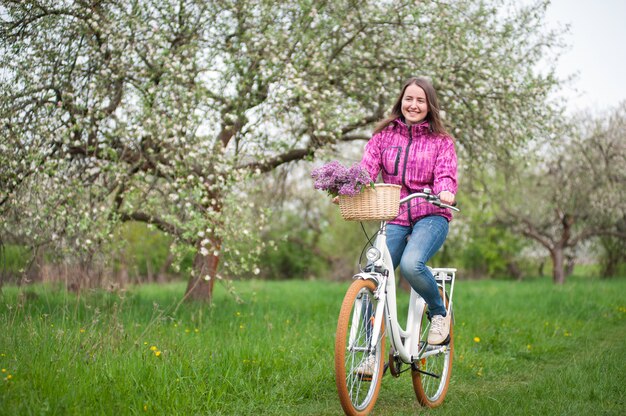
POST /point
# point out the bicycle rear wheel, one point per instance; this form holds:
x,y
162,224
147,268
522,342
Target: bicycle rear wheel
x,y
357,390
431,375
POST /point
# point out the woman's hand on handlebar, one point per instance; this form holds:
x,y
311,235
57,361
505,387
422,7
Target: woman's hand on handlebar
x,y
446,197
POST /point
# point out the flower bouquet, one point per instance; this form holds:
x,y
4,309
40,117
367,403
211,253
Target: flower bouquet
x,y
359,198
336,179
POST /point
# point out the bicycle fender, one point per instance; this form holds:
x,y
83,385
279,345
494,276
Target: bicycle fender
x,y
376,277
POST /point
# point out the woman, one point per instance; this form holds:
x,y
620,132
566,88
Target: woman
x,y
411,148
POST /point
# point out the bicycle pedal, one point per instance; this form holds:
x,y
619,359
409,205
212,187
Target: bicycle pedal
x,y
445,342
365,377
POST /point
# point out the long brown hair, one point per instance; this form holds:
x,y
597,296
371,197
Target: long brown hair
x,y
433,117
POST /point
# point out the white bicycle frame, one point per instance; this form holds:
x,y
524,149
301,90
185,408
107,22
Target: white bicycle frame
x,y
405,342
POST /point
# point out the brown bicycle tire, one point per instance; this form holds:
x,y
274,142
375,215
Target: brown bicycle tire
x,y
419,379
344,376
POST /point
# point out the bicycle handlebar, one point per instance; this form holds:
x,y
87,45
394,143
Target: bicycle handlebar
x,y
429,197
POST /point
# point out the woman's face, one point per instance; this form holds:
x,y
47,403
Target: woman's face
x,y
414,104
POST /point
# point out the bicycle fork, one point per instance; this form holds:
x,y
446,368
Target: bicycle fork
x,y
379,315
372,319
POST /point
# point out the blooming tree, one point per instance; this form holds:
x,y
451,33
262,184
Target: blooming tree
x,y
576,193
158,110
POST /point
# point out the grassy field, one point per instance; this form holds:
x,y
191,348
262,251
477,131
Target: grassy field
x,y
522,348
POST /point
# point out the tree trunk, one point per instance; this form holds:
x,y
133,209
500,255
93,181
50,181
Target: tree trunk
x,y
200,285
514,270
614,255
162,275
33,270
569,265
558,271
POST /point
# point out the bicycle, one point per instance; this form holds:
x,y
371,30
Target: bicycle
x,y
368,310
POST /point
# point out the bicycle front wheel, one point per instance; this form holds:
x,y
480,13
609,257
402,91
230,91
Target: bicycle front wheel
x,y
431,374
358,367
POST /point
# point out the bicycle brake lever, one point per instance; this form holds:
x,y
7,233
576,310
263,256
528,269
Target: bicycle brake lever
x,y
452,207
442,205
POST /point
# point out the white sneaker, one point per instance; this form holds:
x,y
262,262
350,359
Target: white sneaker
x,y
365,370
439,330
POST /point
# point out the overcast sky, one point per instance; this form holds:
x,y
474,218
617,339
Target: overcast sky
x,y
596,51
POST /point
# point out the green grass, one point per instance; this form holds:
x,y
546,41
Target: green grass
x,y
542,350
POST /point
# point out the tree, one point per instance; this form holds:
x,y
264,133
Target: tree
x,y
479,244
613,255
576,194
158,111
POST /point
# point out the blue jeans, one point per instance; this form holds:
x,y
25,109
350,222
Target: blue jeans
x,y
426,237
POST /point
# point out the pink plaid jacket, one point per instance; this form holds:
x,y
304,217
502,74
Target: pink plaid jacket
x,y
414,158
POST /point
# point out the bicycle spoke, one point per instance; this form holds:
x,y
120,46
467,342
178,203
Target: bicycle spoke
x,y
431,373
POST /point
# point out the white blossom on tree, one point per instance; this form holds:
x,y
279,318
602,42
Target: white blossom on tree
x,y
158,111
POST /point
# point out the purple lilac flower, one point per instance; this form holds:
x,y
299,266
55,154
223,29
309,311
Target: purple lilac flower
x,y
336,179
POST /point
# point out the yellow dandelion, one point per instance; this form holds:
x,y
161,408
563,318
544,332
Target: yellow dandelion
x,y
529,347
157,353
153,348
196,330
187,330
567,333
9,376
82,330
145,407
237,313
145,343
4,370
241,326
476,339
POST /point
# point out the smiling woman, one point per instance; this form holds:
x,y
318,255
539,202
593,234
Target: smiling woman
x,y
414,104
424,158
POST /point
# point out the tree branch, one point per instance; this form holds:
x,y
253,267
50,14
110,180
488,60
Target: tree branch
x,y
151,219
290,156
530,231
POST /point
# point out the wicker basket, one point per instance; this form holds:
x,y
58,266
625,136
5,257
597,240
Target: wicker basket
x,y
377,204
